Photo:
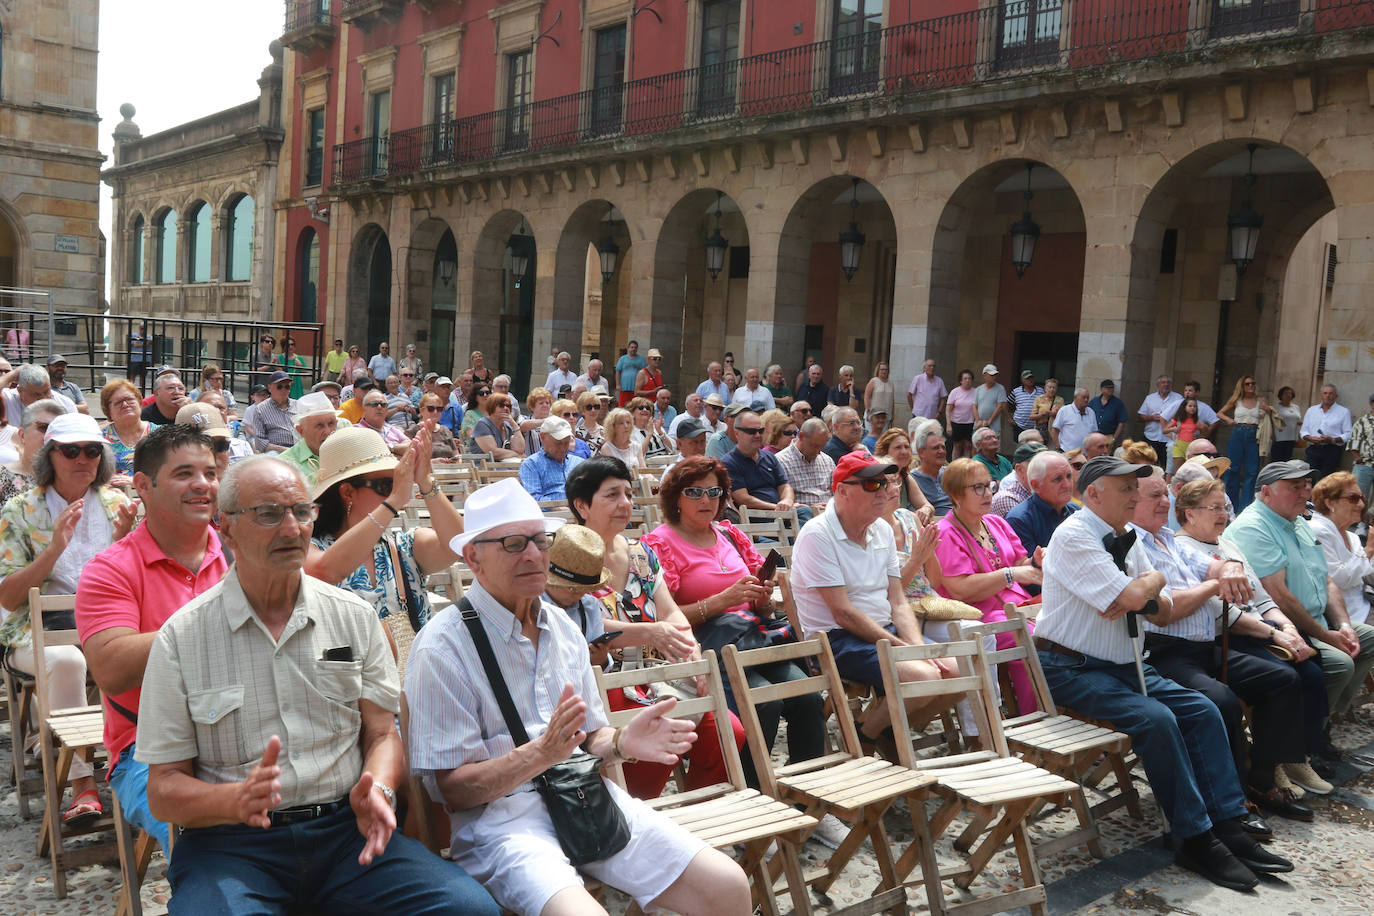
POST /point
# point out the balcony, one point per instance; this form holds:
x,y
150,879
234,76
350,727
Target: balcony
x,y
365,160
1035,42
364,13
308,25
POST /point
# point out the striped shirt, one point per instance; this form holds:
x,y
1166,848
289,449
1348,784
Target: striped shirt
x,y
454,717
1183,569
1022,403
218,686
1080,582
274,424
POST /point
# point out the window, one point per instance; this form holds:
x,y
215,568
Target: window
x,y
719,53
442,116
519,92
856,46
1028,33
198,245
608,77
380,120
1240,17
167,247
314,148
239,244
136,251
310,275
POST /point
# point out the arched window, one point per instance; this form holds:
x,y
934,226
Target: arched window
x,y
136,252
167,247
310,275
198,245
239,244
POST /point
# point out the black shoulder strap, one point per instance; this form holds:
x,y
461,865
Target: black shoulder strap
x,y
498,682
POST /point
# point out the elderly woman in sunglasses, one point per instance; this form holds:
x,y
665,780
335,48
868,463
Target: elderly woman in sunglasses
x,y
362,488
47,535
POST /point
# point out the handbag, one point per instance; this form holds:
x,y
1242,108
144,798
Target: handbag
x,y
404,624
588,823
937,608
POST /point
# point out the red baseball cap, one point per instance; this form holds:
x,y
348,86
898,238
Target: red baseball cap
x,y
859,464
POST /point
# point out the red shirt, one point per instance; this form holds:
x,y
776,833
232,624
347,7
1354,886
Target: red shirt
x,y
134,584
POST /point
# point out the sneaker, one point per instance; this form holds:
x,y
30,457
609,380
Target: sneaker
x,y
1303,775
831,831
1282,781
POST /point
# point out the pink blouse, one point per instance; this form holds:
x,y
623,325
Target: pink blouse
x,y
959,405
960,554
695,573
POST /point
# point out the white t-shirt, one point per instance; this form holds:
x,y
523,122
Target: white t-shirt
x,y
824,557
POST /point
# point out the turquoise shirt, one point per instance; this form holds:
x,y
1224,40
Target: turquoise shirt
x,y
1272,543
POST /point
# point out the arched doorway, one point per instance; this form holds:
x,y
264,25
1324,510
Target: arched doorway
x,y
369,288
502,319
591,313
443,282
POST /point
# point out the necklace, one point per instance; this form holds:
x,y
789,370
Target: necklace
x,y
983,538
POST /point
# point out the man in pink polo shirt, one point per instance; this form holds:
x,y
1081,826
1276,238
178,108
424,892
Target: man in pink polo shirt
x,y
129,590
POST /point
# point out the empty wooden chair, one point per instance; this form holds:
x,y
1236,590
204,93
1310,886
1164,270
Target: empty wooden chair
x,y
25,776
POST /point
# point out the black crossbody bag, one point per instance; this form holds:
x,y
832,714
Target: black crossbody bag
x,y
589,824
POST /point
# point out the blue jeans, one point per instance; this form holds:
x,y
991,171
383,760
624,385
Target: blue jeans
x,y
1364,477
1243,450
242,870
129,783
1178,733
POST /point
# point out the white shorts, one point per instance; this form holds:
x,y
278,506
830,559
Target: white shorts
x,y
512,850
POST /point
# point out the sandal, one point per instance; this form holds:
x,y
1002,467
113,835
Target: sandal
x,y
83,812
884,746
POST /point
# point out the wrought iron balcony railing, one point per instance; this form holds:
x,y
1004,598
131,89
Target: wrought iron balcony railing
x,y
1017,38
301,14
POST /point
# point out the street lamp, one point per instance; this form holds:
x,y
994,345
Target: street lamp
x,y
520,244
716,245
446,267
607,250
851,240
1025,232
1244,224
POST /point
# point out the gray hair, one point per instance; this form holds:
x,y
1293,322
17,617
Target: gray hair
x,y
1078,391
47,406
45,474
817,367
813,425
980,434
29,374
1029,435
923,433
500,377
776,368
843,413
229,483
157,382
844,369
1040,464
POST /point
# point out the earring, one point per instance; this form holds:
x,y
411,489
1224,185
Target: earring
x,y
348,507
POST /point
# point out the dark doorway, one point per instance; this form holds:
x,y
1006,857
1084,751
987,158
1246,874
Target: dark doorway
x,y
379,294
1049,354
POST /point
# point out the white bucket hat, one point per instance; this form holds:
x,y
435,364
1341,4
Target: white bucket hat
x,y
316,403
502,503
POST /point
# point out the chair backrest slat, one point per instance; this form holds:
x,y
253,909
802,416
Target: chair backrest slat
x,y
788,689
1019,628
974,684
40,605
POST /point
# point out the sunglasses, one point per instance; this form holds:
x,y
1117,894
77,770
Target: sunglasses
x,y
433,408
221,446
280,386
1353,497
1078,465
486,392
380,485
71,450
271,515
789,432
870,485
371,404
407,375
643,408
749,431
699,492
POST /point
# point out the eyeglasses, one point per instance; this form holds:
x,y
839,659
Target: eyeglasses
x,y
980,488
1077,465
371,404
870,485
433,408
379,485
699,492
71,450
749,431
280,386
516,543
267,340
220,446
270,515
407,375
568,414
644,407
1353,497
1220,509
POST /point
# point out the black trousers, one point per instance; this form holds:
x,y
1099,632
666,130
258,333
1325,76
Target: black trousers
x,y
1268,686
1325,458
1161,452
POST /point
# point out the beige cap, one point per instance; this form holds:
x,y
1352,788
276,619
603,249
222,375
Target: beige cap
x,y
205,418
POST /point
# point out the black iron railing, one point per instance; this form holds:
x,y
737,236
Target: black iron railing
x,y
302,14
1012,39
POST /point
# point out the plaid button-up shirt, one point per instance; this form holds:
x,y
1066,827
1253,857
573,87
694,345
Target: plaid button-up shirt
x,y
810,480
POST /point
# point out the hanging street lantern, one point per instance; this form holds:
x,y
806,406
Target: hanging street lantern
x,y
607,250
1025,232
1244,224
851,240
716,245
520,246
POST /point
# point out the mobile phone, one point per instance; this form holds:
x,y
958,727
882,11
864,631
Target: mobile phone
x,y
605,638
770,566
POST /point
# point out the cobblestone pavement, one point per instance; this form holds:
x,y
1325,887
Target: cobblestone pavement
x,y
1333,856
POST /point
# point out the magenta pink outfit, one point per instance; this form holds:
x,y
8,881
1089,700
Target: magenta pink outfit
x,y
695,573
960,554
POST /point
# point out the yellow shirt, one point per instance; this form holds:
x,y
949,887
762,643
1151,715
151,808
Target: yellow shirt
x,y
352,410
334,362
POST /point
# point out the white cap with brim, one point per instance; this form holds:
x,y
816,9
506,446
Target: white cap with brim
x,y
70,428
506,502
556,427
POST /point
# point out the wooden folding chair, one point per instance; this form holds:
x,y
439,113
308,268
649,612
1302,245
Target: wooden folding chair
x,y
1062,744
62,735
426,819
730,813
991,785
135,849
856,788
26,778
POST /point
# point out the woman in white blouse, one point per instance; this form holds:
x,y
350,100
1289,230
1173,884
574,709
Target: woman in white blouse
x,y
1340,505
1286,426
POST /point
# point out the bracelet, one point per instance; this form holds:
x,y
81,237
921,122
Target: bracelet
x,y
373,519
433,488
391,509
701,610
615,747
1010,579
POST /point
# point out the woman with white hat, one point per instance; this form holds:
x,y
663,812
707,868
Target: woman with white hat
x,y
362,487
47,535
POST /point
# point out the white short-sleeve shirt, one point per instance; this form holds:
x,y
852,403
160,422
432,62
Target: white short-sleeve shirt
x,y
824,557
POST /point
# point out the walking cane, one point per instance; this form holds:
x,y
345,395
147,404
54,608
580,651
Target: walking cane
x,y
1119,545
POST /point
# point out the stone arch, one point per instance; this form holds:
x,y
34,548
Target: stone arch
x,y
694,318
811,291
198,240
980,315
500,314
15,253
305,283
422,275
589,224
370,285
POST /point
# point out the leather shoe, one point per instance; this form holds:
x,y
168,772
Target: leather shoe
x,y
1251,854
1255,826
1209,857
1281,802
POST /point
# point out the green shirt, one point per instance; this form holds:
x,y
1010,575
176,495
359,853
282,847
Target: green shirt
x,y
999,470
1272,543
306,461
779,391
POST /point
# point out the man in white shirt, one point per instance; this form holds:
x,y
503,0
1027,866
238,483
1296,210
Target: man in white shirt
x,y
1074,422
1154,410
563,375
847,582
1086,653
34,385
592,378
1326,430
715,383
691,408
752,394
1206,416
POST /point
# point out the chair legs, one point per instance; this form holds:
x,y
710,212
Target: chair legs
x,y
135,852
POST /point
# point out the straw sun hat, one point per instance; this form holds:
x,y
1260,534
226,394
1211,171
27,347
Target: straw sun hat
x,y
351,452
576,560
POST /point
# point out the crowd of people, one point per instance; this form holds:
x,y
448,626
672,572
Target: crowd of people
x,y
239,585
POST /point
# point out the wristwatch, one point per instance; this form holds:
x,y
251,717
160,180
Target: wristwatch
x,y
387,792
